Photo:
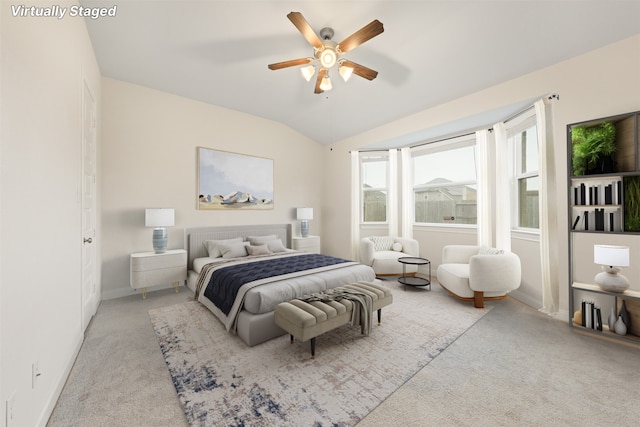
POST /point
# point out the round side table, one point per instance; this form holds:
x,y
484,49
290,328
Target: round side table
x,y
413,280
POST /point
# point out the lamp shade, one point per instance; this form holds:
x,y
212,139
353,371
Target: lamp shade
x,y
614,256
161,217
345,72
304,213
325,83
308,72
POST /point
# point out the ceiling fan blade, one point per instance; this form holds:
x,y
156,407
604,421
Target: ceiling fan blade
x,y
322,73
303,26
365,33
291,63
360,70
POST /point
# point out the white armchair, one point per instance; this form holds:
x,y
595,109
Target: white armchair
x,y
382,253
478,274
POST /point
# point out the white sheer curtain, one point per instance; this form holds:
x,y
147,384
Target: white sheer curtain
x,y
407,193
392,193
548,214
355,205
503,190
484,182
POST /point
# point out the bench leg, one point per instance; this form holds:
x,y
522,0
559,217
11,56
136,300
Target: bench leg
x,y
313,348
291,338
379,316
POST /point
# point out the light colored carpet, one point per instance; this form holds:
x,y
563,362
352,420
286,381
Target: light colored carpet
x,y
222,381
514,367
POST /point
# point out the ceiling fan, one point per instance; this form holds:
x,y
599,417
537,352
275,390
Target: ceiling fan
x,y
327,53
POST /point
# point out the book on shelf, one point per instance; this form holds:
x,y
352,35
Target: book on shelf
x,y
597,194
611,226
575,222
591,316
599,219
586,220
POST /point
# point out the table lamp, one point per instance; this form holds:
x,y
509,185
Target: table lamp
x,y
611,258
304,215
159,219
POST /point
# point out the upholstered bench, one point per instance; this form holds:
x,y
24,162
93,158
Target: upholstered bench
x,y
306,320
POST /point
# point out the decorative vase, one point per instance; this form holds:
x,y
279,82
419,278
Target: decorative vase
x,y
577,318
612,320
620,327
626,317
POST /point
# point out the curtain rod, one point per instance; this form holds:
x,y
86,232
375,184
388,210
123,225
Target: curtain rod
x,y
443,139
413,146
373,150
513,116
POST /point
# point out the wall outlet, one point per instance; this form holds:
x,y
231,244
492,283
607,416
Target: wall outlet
x,y
35,373
9,410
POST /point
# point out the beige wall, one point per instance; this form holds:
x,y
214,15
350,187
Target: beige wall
x,y
601,83
44,62
149,157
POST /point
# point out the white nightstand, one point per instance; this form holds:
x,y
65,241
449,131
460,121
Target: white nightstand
x,y
150,269
309,244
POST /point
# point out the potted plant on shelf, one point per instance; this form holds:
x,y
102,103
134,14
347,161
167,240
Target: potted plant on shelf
x,y
593,148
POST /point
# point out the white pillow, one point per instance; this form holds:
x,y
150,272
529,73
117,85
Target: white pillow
x,y
234,250
276,246
485,250
397,247
261,240
212,246
258,249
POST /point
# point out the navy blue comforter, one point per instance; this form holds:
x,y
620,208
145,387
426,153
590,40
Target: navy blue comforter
x,y
226,281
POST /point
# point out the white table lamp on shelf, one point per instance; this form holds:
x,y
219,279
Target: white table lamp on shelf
x,y
159,219
304,215
611,258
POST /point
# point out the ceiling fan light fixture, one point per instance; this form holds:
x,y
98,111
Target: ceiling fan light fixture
x,y
325,84
345,72
328,57
308,72
327,54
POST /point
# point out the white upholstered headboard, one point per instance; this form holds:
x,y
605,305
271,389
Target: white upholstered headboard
x,y
195,237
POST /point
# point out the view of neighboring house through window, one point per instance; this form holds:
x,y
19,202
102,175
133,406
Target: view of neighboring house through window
x,y
374,168
444,182
524,140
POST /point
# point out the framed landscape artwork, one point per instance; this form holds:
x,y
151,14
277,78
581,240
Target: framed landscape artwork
x,y
233,181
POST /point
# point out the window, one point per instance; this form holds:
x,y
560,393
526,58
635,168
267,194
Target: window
x,y
444,182
374,170
523,139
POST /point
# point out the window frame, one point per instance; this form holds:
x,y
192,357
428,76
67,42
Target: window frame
x,y
514,130
462,141
372,156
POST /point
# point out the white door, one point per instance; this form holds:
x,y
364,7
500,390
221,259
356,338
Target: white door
x,y
90,293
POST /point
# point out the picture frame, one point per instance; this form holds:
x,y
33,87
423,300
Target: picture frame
x,y
233,181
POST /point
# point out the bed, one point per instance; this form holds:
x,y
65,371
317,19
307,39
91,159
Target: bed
x,y
250,312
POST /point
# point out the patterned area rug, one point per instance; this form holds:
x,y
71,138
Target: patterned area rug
x,y
222,381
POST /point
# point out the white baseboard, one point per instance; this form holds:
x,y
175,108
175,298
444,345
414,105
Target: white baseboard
x,y
61,381
562,315
526,299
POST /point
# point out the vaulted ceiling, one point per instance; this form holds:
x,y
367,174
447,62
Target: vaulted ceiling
x,y
430,52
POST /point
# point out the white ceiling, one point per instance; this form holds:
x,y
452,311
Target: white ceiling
x,y
430,52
